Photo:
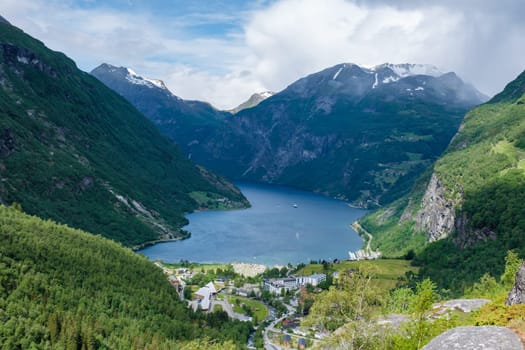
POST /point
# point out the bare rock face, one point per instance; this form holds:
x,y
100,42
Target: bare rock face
x,y
517,294
437,215
463,305
471,338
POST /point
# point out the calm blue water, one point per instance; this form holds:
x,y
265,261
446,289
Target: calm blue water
x,y
271,232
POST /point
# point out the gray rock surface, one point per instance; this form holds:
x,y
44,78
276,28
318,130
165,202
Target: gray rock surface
x,y
476,338
437,214
464,305
393,320
517,294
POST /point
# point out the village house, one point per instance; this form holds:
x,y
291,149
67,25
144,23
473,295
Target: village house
x,y
291,323
302,343
286,340
204,295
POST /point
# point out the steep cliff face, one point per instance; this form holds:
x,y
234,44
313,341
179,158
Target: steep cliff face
x,y
517,294
437,215
441,216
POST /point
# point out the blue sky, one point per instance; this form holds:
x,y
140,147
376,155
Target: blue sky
x,y
223,51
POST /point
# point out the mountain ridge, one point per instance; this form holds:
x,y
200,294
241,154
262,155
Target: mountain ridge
x,y
320,120
253,101
75,151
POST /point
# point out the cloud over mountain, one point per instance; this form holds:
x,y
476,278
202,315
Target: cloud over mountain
x,y
223,52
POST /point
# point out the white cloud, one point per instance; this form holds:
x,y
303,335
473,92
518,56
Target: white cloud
x,y
297,37
281,42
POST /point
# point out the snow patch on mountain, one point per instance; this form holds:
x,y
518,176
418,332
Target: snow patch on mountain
x,y
339,71
266,94
376,82
390,79
134,78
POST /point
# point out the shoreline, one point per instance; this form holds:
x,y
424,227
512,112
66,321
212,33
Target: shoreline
x,y
197,210
365,253
158,241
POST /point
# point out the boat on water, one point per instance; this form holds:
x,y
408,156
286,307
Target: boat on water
x,y
295,205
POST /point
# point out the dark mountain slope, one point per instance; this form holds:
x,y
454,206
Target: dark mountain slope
x,y
347,131
183,121
73,150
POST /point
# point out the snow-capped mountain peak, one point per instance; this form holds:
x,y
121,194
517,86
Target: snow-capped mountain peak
x,y
134,78
266,94
253,101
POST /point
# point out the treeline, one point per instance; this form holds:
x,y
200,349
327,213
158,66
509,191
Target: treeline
x,y
63,288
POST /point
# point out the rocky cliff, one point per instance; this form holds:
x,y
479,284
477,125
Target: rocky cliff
x,y
440,216
437,215
517,294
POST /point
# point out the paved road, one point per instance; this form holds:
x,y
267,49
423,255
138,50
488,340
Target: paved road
x,y
268,345
368,250
226,306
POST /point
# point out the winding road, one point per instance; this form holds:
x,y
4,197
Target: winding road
x,y
368,250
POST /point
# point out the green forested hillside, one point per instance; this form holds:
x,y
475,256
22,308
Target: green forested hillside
x,y
485,168
62,288
482,176
73,150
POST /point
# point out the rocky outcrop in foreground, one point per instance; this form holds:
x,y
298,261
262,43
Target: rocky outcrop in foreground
x,y
472,338
517,294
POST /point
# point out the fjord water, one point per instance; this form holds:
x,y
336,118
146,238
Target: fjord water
x,y
283,226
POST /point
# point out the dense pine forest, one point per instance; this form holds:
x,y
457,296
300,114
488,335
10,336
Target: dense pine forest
x,y
62,288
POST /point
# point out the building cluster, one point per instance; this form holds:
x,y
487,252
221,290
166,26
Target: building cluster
x,y
286,284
